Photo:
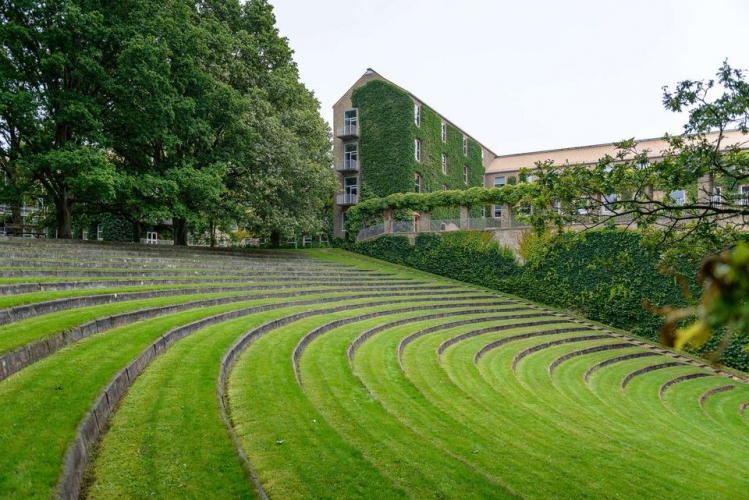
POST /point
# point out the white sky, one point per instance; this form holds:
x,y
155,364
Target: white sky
x,y
522,75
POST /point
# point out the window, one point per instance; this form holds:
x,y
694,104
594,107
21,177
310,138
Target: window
x,y
499,181
444,187
526,178
482,154
350,186
717,196
444,132
350,155
556,206
608,202
350,121
497,211
743,199
343,222
417,150
99,232
465,174
417,115
465,145
679,197
417,183
444,163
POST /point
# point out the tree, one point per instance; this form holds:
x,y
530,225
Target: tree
x,y
707,163
50,134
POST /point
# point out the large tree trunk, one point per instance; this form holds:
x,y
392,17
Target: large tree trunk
x,y
179,226
64,212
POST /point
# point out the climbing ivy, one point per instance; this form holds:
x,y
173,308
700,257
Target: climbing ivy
x,y
386,145
370,210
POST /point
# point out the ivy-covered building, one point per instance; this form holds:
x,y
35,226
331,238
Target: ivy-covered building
x,y
505,169
387,140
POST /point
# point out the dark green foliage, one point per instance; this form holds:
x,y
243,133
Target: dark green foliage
x,y
604,275
387,145
386,142
116,228
470,256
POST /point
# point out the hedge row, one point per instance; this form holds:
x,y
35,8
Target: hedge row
x,y
604,275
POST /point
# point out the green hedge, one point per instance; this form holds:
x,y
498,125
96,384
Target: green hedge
x,y
604,275
117,228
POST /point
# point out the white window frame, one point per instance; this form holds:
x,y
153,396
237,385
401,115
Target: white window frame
x,y
717,197
99,232
351,188
417,115
343,222
417,150
465,174
608,200
350,121
350,154
743,198
681,200
497,211
444,164
444,187
465,145
444,132
417,183
500,184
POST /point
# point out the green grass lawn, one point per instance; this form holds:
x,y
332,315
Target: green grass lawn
x,y
379,425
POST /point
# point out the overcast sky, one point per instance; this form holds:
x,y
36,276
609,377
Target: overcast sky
x,y
523,75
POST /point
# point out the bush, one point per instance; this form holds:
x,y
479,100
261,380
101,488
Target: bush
x,y
117,228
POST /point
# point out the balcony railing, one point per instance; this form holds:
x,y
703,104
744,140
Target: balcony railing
x,y
347,199
347,166
347,131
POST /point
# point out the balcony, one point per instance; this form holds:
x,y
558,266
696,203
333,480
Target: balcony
x,y
350,131
347,166
347,199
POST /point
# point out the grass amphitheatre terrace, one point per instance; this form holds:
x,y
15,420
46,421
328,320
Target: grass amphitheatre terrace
x,y
164,372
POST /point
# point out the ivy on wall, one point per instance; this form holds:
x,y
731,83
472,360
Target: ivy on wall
x,y
385,139
386,145
476,197
604,275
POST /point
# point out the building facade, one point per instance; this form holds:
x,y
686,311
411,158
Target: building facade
x,y
386,140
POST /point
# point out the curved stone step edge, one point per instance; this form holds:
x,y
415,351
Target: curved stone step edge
x,y
713,391
540,347
317,332
20,313
16,360
59,286
365,336
89,272
522,336
618,359
139,248
651,368
583,352
94,423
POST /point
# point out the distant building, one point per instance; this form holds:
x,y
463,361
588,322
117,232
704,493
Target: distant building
x,y
387,140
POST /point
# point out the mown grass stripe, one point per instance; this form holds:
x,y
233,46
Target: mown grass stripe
x,y
89,431
13,361
582,352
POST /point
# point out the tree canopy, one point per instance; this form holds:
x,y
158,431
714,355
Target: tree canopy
x,y
692,196
160,109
